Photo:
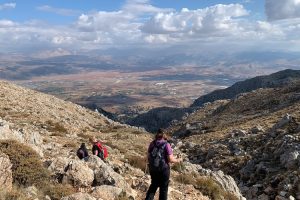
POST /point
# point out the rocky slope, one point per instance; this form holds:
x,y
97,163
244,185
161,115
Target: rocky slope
x,y
253,137
39,136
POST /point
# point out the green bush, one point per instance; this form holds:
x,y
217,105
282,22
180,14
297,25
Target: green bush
x,y
27,167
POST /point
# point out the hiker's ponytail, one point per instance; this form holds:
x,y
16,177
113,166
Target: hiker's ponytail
x,y
160,135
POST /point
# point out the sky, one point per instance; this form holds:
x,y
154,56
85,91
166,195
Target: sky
x,y
86,25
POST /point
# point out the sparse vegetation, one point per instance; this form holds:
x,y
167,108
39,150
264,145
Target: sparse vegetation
x,y
27,167
56,128
137,161
57,191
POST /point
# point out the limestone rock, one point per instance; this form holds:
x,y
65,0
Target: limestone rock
x,y
79,196
285,120
227,183
58,165
78,174
257,129
5,172
290,159
104,174
238,133
106,192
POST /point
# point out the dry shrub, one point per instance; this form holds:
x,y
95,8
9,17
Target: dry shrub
x,y
137,161
187,179
179,167
55,127
27,166
71,144
14,194
210,188
57,191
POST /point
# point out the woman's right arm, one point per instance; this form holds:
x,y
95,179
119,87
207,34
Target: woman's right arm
x,y
172,159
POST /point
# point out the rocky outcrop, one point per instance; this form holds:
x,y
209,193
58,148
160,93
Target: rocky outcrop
x,y
227,183
23,135
104,174
5,172
78,174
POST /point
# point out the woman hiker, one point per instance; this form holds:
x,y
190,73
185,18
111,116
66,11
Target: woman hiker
x,y
160,155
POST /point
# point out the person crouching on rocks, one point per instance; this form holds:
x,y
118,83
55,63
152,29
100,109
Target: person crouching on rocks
x,y
99,149
82,152
160,155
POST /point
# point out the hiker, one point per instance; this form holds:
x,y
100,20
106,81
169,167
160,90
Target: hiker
x,y
160,155
99,149
82,152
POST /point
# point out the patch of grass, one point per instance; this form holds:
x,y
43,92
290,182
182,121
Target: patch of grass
x,y
206,185
57,191
55,127
14,194
27,166
179,167
137,161
187,179
213,190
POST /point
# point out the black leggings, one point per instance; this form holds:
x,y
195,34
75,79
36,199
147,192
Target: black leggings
x,y
159,180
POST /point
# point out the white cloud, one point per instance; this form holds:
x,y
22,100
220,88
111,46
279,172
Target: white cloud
x,y
143,6
59,11
6,23
139,24
217,20
282,9
7,6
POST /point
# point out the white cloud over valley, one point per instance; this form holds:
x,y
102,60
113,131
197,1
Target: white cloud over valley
x,y
138,23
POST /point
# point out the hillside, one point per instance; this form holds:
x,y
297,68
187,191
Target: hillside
x,y
274,80
163,117
253,137
39,136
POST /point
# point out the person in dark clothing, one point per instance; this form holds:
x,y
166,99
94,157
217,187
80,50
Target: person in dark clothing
x,y
160,155
82,152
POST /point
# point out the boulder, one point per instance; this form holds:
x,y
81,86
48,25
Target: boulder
x,y
107,192
290,159
238,133
58,165
79,196
5,172
227,183
257,129
78,174
104,174
284,121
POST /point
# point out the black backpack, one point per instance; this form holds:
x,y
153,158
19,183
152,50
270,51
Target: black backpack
x,y
157,160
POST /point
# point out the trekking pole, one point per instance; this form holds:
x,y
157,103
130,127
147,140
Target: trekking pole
x,y
146,168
